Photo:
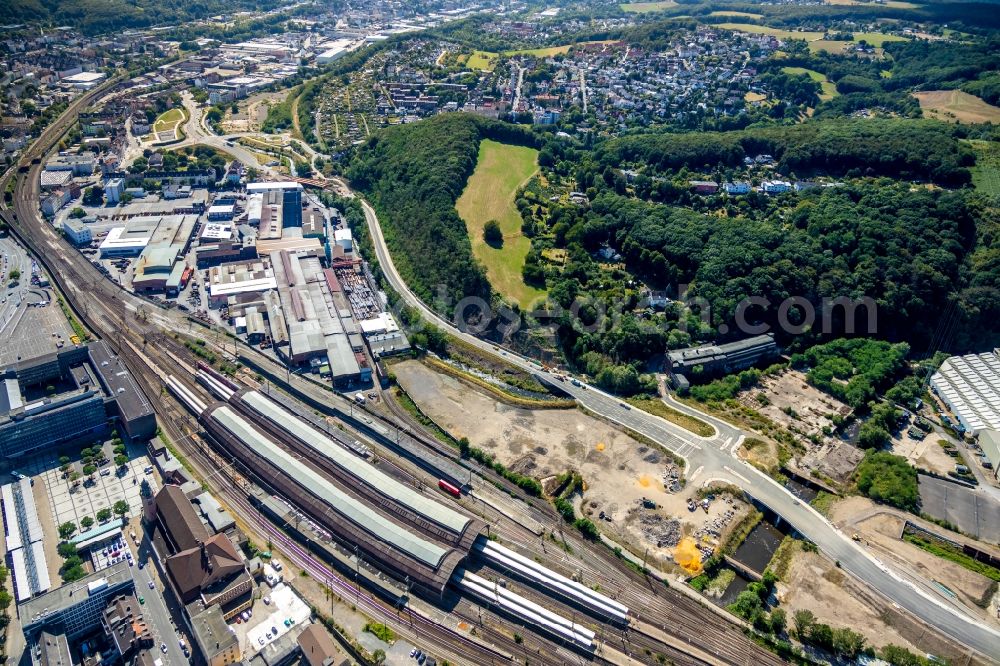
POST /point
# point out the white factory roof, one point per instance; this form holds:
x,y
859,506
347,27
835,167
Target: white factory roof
x,y
253,188
255,204
114,240
383,323
970,386
222,210
230,288
85,77
217,230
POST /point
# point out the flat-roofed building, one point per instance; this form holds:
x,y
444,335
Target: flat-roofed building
x,y
76,608
217,645
127,401
712,360
231,279
33,420
291,199
158,270
85,80
77,232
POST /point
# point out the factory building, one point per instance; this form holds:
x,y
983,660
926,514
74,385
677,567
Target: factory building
x,y
291,198
319,319
970,387
238,279
158,270
714,360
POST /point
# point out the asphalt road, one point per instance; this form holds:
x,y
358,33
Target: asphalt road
x,y
715,458
154,610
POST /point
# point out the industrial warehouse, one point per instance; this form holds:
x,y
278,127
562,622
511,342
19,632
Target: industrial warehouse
x,y
272,264
400,530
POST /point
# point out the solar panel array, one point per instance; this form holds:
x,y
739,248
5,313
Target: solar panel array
x,y
970,387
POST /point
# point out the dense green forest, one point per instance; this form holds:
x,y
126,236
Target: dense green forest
x,y
96,16
870,147
413,174
921,254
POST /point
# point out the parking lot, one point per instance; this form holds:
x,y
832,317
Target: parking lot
x,y
70,504
111,553
974,513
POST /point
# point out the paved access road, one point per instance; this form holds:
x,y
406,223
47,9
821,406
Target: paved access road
x,y
715,458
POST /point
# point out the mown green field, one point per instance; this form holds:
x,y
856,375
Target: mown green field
x,y
829,89
986,173
489,195
487,60
645,7
737,14
768,30
168,120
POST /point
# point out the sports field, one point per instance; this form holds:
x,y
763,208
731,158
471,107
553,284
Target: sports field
x,y
956,105
489,195
644,7
829,89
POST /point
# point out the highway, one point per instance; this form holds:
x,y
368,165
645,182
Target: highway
x,y
714,458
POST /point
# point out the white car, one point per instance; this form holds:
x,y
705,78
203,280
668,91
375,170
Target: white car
x,y
163,648
151,586
267,601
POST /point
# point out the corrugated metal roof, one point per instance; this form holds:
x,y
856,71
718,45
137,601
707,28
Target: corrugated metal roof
x,y
382,528
367,473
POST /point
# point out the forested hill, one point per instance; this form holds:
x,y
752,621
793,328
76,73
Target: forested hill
x,y
908,149
413,174
99,16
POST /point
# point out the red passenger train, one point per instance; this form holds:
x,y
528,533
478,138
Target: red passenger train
x,y
449,488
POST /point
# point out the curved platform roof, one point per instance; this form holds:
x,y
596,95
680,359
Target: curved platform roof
x,y
366,472
385,530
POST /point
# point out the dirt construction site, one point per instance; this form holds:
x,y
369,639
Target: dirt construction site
x,y
789,402
625,481
880,529
813,582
